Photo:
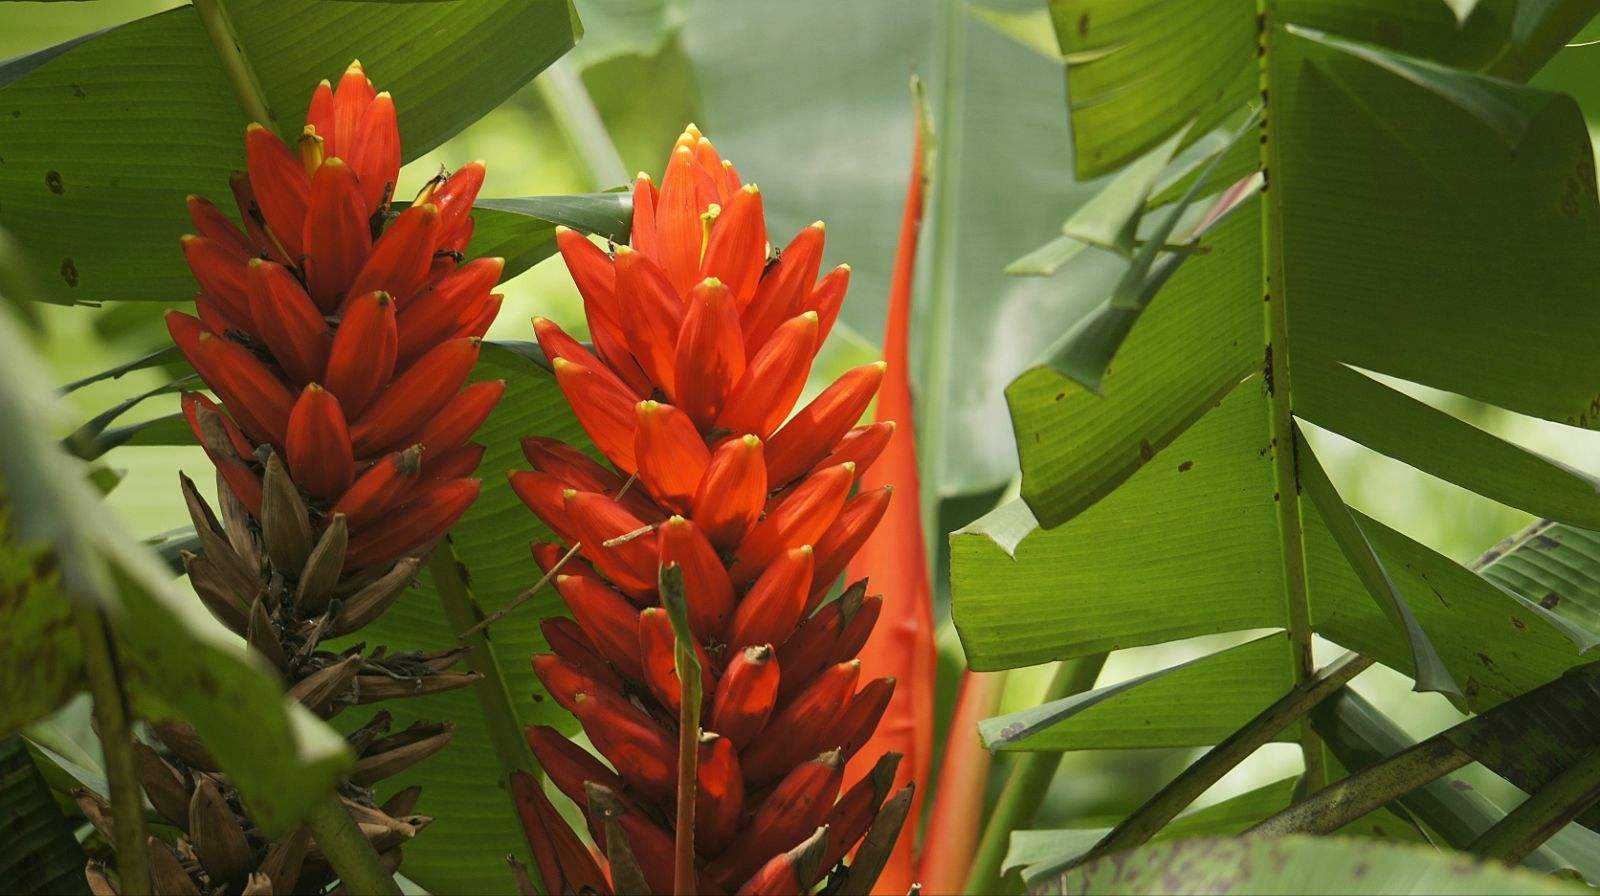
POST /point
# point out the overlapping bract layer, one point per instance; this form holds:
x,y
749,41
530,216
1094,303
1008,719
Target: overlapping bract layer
x,y
703,340
340,336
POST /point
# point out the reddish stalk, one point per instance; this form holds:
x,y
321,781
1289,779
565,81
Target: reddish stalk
x,y
957,820
895,556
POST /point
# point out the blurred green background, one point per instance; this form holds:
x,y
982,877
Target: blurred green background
x,y
817,94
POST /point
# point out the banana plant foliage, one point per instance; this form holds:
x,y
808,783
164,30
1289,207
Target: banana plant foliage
x,y
1293,285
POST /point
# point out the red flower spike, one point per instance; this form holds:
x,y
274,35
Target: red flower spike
x,y
788,872
708,590
605,412
710,354
828,299
194,404
281,188
547,555
596,519
610,621
719,802
287,321
693,318
577,470
860,446
678,221
568,764
854,525
774,378
652,849
804,725
564,681
455,196
643,236
319,116
737,248
212,224
380,487
565,864
461,417
350,102
226,456
317,445
710,181
652,316
567,640
417,524
745,695
456,463
855,811
555,343
254,395
220,270
596,279
732,491
795,808
477,325
831,635
439,312
337,233
542,493
820,425
363,354
414,397
656,655
783,292
856,724
670,453
376,156
641,752
218,319
772,607
799,519
401,258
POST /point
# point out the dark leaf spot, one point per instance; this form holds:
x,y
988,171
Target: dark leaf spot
x,y
1186,466
52,179
69,272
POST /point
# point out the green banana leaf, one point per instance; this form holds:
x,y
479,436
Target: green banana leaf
x,y
105,135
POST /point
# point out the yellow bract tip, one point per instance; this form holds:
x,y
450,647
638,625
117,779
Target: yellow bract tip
x,y
751,440
881,365
812,316
818,225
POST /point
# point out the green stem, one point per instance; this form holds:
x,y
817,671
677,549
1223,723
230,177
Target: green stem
x,y
1027,782
348,852
1297,602
461,610
1161,809
561,88
687,665
1346,800
235,64
938,346
1541,815
114,723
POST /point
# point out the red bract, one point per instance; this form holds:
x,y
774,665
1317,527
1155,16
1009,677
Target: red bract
x,y
702,346
340,334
